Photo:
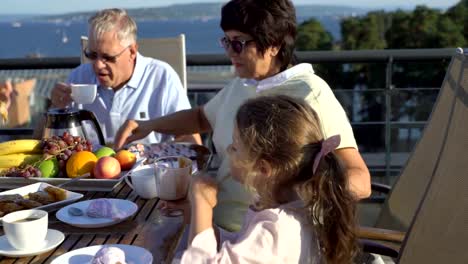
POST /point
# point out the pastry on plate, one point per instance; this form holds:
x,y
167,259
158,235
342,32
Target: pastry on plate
x,y
109,255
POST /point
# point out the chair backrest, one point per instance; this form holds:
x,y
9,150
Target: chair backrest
x,y
439,231
407,192
170,50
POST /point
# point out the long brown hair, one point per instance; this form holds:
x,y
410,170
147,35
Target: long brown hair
x,y
285,133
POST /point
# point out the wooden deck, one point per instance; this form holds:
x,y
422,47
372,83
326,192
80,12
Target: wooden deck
x,y
147,228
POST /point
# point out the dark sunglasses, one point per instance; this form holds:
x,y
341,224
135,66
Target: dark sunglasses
x,y
236,45
91,55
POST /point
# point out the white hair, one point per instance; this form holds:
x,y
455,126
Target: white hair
x,y
108,20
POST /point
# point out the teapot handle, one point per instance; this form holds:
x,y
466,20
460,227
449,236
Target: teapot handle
x,y
87,115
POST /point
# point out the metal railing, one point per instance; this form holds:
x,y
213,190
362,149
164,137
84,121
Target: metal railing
x,y
387,57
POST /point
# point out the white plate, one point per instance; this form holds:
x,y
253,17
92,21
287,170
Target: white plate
x,y
133,255
53,239
127,208
25,190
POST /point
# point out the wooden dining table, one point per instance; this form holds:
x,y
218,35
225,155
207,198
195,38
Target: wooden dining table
x,y
147,228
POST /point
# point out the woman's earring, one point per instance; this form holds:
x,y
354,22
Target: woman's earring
x,y
274,51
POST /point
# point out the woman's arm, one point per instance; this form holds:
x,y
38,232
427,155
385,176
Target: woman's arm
x,y
180,123
356,169
194,138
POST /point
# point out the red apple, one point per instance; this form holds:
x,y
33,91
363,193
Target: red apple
x,y
107,168
126,159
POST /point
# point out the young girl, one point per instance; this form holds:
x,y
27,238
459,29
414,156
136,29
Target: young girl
x,y
304,212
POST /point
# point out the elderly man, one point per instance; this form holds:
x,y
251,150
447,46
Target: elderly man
x,y
130,86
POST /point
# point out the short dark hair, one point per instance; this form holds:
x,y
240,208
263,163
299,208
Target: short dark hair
x,y
271,23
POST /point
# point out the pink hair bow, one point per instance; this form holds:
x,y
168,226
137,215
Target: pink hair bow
x,y
328,145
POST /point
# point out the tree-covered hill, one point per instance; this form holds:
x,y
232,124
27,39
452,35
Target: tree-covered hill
x,y
210,10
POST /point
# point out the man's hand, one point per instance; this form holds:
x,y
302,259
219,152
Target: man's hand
x,y
61,95
6,88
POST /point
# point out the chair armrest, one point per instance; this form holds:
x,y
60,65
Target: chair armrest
x,y
370,246
380,234
380,187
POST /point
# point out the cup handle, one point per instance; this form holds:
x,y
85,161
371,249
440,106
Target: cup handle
x,y
157,180
128,181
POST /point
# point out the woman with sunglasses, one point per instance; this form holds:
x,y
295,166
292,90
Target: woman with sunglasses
x,y
259,39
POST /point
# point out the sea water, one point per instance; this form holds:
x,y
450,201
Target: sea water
x,y
62,38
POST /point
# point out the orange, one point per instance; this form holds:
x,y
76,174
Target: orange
x,y
80,163
126,159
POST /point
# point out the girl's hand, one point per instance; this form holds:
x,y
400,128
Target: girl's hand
x,y
169,207
203,190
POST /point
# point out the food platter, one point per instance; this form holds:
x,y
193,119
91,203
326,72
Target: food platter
x,y
86,184
24,191
146,154
80,185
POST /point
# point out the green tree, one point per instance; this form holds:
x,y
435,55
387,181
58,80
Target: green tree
x,y
413,30
459,15
449,34
313,36
364,32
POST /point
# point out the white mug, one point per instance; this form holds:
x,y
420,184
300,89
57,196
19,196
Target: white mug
x,y
26,229
83,93
143,181
172,177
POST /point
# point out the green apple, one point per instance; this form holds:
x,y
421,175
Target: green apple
x,y
49,168
104,152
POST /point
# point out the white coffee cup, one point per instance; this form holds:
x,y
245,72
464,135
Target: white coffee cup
x,y
143,181
26,229
83,93
172,177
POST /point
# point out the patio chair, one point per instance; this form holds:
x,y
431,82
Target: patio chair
x,y
170,50
403,198
438,232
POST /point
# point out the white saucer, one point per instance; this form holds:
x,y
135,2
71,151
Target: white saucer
x,y
125,207
133,254
53,239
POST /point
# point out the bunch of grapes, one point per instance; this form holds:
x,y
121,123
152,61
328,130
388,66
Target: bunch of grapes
x,y
60,147
24,171
63,147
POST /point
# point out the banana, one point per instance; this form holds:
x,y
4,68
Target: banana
x,y
14,160
20,146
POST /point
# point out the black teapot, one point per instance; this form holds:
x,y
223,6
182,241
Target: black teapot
x,y
71,121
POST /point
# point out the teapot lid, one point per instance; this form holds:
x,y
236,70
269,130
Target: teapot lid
x,y
62,111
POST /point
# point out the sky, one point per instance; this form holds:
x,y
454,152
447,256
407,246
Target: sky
x,y
66,6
